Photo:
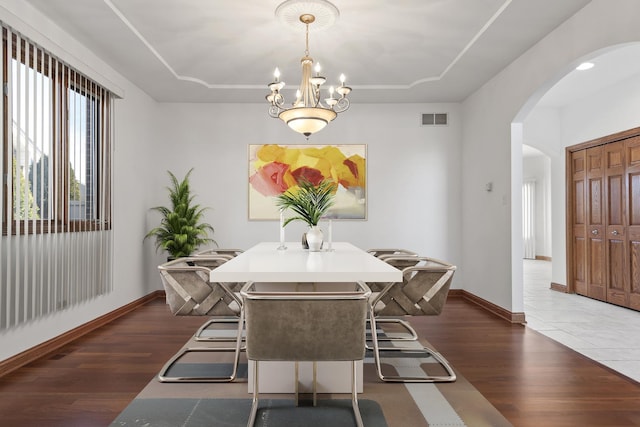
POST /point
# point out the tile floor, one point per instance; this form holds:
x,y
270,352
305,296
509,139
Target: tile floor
x,y
603,332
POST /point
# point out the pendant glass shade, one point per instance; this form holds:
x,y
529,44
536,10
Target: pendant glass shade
x,y
306,120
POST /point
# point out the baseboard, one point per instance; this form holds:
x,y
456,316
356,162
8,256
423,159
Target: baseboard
x,y
489,306
558,287
543,258
47,347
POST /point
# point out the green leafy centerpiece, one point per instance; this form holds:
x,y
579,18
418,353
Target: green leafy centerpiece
x,y
309,202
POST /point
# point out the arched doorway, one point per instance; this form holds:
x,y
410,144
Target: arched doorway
x,y
576,107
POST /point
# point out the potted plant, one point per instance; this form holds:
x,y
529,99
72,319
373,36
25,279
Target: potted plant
x,y
181,231
309,202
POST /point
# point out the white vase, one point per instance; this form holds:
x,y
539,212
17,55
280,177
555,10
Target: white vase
x,y
314,238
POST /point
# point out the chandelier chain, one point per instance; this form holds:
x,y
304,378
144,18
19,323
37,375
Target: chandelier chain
x,y
306,50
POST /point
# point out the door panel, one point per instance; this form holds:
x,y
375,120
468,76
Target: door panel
x,y
616,281
595,227
580,265
579,211
579,207
596,273
615,196
633,228
634,198
634,270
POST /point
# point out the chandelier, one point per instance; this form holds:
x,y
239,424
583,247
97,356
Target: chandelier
x,y
308,114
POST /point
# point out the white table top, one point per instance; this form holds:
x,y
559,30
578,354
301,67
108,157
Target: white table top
x,y
265,263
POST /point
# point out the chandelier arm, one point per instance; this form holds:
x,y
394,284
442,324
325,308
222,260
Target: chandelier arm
x,y
274,111
342,105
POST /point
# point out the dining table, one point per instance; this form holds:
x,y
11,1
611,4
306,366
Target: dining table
x,y
270,266
345,262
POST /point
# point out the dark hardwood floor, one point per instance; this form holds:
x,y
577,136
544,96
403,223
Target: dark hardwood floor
x,y
531,379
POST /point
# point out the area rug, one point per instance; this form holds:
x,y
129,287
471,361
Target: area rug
x,y
456,404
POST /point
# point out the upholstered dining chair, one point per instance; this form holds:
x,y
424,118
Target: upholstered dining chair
x,y
212,258
386,254
423,292
305,326
189,293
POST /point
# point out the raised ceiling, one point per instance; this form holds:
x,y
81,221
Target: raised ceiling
x,y
390,51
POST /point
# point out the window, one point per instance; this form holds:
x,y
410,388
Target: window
x,y
56,241
56,144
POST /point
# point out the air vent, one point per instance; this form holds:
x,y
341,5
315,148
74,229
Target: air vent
x,y
435,119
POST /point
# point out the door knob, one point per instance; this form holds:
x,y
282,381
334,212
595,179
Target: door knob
x,y
594,232
615,232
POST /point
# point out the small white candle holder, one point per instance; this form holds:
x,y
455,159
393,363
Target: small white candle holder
x,y
282,246
330,239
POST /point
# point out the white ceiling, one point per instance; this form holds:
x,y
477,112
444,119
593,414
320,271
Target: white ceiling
x,y
390,50
609,68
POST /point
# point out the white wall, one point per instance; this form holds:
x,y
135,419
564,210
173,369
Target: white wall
x,y
413,172
488,219
606,112
134,145
542,130
538,169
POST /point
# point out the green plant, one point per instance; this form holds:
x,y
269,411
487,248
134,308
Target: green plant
x,y
308,201
180,231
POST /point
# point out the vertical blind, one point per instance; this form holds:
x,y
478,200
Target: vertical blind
x,y
56,194
528,219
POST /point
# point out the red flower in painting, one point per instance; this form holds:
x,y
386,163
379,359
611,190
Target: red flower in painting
x,y
305,173
353,167
269,179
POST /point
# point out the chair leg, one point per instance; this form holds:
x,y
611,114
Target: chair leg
x,y
413,335
198,335
354,395
315,383
296,382
162,376
254,403
450,377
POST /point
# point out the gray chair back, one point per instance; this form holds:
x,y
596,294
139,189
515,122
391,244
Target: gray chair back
x,y
189,292
423,291
305,326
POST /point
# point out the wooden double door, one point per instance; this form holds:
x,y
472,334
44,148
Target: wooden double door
x,y
604,218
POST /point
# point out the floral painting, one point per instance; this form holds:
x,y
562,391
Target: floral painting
x,y
274,169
